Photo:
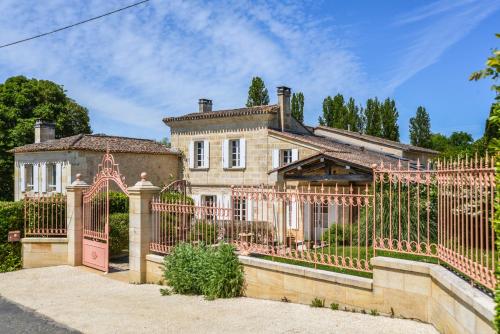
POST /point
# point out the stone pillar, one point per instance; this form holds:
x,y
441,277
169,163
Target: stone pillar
x,y
74,220
140,220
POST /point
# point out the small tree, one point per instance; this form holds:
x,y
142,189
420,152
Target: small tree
x,y
298,106
257,93
420,128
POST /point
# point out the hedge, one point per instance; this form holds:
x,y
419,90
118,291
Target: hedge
x,y
11,218
118,233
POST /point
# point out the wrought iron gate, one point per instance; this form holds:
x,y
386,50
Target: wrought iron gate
x,y
96,213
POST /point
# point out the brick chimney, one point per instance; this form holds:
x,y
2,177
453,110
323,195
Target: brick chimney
x,y
285,116
205,105
44,130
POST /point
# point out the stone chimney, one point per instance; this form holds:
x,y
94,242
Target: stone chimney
x,y
44,130
285,116
205,105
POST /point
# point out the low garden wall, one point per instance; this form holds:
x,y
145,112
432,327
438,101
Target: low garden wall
x,y
402,288
44,252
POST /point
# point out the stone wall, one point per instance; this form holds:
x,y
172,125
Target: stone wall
x,y
408,289
161,168
44,252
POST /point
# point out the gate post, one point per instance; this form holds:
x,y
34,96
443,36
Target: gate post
x,y
74,220
140,220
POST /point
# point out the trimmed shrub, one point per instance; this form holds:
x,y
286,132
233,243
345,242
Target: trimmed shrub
x,y
118,233
213,272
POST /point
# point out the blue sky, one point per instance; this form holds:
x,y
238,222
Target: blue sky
x,y
134,68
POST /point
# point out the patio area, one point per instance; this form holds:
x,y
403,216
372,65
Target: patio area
x,y
93,303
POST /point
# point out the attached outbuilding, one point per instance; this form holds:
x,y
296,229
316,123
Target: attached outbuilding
x,y
49,165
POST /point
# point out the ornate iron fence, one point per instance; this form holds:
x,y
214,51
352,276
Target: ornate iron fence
x,y
443,211
327,226
44,215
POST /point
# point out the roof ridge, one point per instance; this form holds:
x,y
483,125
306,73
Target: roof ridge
x,y
375,138
101,135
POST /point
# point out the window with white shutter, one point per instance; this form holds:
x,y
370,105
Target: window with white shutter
x,y
276,158
199,153
234,153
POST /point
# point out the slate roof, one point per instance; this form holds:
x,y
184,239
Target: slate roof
x,y
98,143
377,140
350,154
258,110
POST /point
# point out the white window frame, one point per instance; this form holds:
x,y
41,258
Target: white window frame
x,y
199,154
240,209
28,177
209,201
234,153
286,157
51,177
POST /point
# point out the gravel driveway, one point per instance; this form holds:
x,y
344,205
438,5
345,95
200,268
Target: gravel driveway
x,y
92,303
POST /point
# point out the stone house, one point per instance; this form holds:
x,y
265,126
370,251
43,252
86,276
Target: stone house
x,y
265,145
49,165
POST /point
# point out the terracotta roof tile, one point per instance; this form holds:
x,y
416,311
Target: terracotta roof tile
x,y
98,143
377,140
258,110
348,153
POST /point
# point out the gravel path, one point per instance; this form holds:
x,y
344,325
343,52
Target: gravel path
x,y
91,303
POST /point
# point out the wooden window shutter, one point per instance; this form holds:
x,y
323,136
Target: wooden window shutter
x,y
243,153
225,153
58,177
295,154
22,177
191,154
276,158
44,177
206,154
35,178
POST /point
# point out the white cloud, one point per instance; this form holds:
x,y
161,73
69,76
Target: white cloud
x,y
442,24
156,60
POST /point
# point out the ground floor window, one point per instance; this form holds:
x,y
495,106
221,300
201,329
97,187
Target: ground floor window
x,y
209,201
320,215
240,209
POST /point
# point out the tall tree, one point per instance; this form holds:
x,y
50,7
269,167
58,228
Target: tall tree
x,y
373,120
420,128
257,93
389,117
354,120
298,106
334,112
24,100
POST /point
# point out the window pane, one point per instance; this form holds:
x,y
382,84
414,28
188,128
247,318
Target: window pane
x,y
235,153
199,153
